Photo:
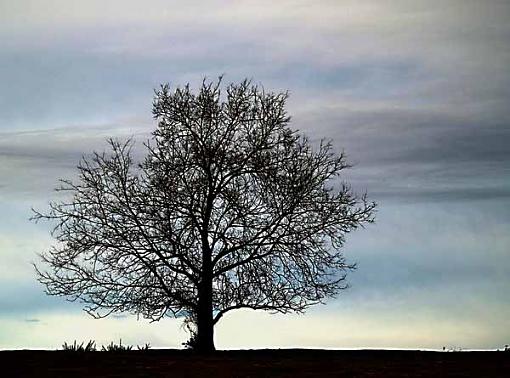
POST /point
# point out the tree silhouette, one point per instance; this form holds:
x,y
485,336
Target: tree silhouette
x,y
229,209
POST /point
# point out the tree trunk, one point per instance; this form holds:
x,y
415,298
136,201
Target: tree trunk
x,y
205,325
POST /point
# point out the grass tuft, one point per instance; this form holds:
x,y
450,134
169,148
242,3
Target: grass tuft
x,y
75,347
116,347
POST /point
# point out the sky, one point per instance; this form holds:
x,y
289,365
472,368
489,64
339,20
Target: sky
x,y
417,93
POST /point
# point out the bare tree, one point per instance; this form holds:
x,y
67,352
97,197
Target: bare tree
x,y
230,209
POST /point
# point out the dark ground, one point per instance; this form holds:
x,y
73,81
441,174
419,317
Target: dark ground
x,y
254,363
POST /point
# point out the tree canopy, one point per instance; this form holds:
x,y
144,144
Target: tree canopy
x,y
229,209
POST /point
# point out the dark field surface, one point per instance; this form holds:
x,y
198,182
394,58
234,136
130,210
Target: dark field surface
x,y
254,363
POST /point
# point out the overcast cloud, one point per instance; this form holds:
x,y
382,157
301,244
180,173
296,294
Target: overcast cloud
x,y
416,92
